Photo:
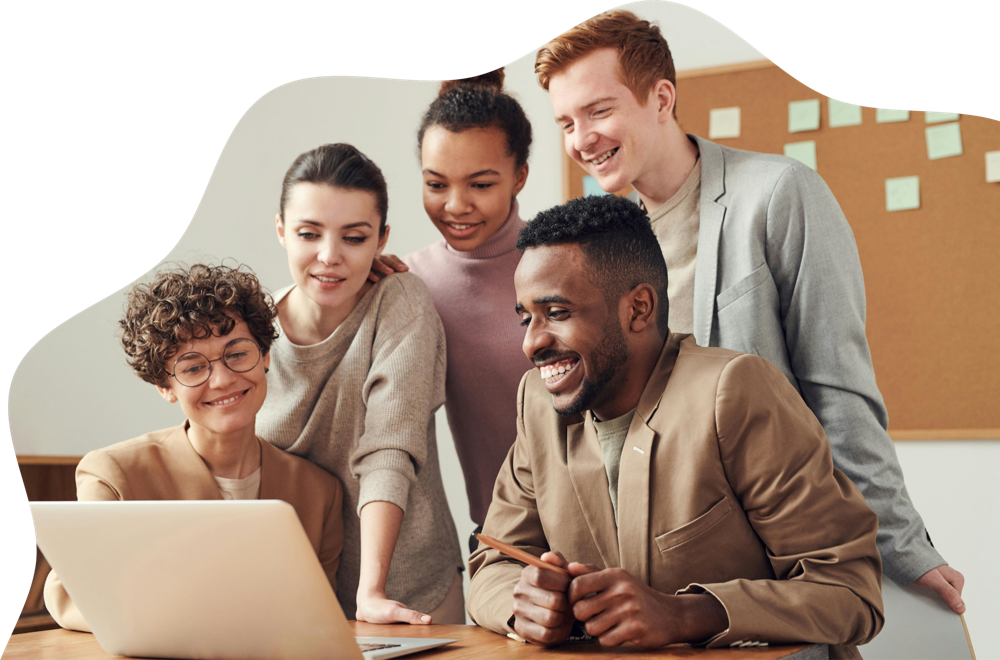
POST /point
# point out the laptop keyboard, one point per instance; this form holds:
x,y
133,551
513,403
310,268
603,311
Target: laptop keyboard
x,y
375,647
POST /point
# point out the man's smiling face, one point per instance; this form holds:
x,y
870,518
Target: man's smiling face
x,y
605,129
571,335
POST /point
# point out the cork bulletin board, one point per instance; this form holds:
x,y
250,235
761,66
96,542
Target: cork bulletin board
x,y
932,274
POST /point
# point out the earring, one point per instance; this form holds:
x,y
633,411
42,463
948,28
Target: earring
x,y
266,370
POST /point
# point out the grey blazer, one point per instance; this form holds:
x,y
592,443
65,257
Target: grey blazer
x,y
777,274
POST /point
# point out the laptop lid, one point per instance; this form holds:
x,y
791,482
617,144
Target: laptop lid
x,y
194,579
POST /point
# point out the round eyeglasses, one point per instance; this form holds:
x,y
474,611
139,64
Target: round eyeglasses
x,y
193,369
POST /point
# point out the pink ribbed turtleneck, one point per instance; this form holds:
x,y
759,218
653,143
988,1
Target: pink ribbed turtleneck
x,y
474,295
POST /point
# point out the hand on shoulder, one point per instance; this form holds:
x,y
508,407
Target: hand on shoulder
x,y
385,265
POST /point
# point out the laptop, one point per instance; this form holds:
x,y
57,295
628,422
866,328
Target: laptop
x,y
201,579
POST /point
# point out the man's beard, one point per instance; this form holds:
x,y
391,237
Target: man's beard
x,y
607,361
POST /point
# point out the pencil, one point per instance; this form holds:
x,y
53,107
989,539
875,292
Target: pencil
x,y
520,555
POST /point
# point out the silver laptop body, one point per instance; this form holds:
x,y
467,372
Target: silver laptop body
x,y
200,579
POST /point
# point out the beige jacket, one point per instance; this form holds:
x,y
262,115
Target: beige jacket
x,y
726,486
163,465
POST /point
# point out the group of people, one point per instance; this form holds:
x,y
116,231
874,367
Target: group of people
x,y
705,453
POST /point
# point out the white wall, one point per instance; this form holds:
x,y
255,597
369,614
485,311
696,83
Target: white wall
x,y
954,485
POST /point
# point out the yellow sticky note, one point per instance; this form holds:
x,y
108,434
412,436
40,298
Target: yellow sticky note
x,y
902,193
804,152
723,123
843,114
944,141
803,116
940,117
883,116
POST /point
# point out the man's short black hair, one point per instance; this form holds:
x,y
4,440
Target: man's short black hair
x,y
615,235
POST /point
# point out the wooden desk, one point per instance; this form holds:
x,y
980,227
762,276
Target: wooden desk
x,y
473,642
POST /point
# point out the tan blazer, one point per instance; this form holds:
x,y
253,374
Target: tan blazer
x,y
726,486
164,466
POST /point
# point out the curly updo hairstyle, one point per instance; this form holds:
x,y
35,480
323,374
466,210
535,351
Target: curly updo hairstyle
x,y
182,304
480,102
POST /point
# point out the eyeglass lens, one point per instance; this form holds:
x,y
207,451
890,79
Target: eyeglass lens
x,y
240,355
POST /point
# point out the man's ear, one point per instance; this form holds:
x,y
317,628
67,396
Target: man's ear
x,y
642,304
664,95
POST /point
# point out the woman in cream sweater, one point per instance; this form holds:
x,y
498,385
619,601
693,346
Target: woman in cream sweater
x,y
357,372
202,336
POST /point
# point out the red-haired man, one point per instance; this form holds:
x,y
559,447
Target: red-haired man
x,y
760,256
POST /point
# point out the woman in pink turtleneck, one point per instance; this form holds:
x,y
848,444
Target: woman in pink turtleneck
x,y
474,142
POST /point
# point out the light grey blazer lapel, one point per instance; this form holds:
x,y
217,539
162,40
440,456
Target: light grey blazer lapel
x,y
706,269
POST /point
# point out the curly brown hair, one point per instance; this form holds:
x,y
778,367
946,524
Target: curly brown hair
x,y
182,304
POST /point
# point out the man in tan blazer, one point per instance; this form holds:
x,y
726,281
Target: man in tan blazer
x,y
691,488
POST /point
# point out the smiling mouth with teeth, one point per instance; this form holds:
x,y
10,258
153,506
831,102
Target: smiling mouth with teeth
x,y
459,227
603,157
553,373
328,280
230,399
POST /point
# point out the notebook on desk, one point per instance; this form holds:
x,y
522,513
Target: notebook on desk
x,y
201,579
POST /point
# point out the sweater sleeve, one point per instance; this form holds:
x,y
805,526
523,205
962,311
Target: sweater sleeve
x,y
98,478
405,385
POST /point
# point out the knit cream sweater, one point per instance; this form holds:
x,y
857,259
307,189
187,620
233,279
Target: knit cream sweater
x,y
360,404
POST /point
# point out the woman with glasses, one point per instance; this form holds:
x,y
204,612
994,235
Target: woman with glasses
x,y
357,372
202,336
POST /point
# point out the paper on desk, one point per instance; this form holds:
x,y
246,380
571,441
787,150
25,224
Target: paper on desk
x,y
843,114
883,116
993,166
804,152
944,141
803,116
591,187
723,123
940,117
902,193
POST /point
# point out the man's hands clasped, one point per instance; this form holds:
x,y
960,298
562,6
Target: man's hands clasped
x,y
615,607
542,613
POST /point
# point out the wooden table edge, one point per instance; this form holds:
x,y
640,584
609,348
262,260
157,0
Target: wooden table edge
x,y
474,641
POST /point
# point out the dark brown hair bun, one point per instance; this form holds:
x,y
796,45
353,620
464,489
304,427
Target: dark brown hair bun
x,y
491,79
480,102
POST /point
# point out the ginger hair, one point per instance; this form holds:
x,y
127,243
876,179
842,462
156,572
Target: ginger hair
x,y
643,55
